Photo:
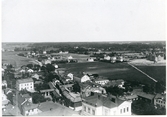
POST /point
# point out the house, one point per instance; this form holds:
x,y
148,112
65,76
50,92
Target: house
x,y
160,100
85,78
30,71
113,59
90,59
3,71
70,75
47,62
56,66
102,105
88,88
22,71
24,102
107,58
7,91
69,57
101,81
27,84
4,83
145,96
5,101
120,58
119,83
36,76
73,100
44,52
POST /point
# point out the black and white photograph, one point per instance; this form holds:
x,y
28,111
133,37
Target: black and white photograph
x,y
83,57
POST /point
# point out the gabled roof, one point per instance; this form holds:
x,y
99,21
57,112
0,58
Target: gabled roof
x,y
25,80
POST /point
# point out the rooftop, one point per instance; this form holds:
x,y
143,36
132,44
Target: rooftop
x,y
145,95
160,96
49,109
25,80
100,100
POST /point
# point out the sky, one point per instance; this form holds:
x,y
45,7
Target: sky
x,y
83,20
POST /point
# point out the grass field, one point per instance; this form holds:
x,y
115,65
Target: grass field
x,y
12,58
118,71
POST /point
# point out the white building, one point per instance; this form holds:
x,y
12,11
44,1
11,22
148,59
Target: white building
x,y
101,81
30,71
103,105
85,78
4,83
69,57
90,59
107,58
70,75
27,84
160,100
5,101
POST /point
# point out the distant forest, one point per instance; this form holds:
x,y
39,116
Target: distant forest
x,y
110,46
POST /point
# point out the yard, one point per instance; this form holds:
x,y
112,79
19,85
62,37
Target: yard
x,y
117,71
12,58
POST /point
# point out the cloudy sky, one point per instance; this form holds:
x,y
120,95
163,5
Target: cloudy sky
x,y
82,20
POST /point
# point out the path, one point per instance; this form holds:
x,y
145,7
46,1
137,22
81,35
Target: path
x,y
143,72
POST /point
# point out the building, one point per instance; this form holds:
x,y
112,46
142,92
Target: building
x,y
102,105
120,58
24,103
85,78
113,59
27,84
5,101
72,100
160,100
90,60
4,83
101,81
90,87
107,58
145,96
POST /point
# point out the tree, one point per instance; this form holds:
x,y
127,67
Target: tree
x,y
30,66
76,87
50,67
37,98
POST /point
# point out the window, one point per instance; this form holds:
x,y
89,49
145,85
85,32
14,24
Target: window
x,y
88,110
27,84
93,112
124,110
127,109
121,111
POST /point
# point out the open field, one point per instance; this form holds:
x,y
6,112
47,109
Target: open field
x,y
145,62
117,71
79,57
12,58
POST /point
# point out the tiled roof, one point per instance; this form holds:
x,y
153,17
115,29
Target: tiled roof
x,y
25,80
